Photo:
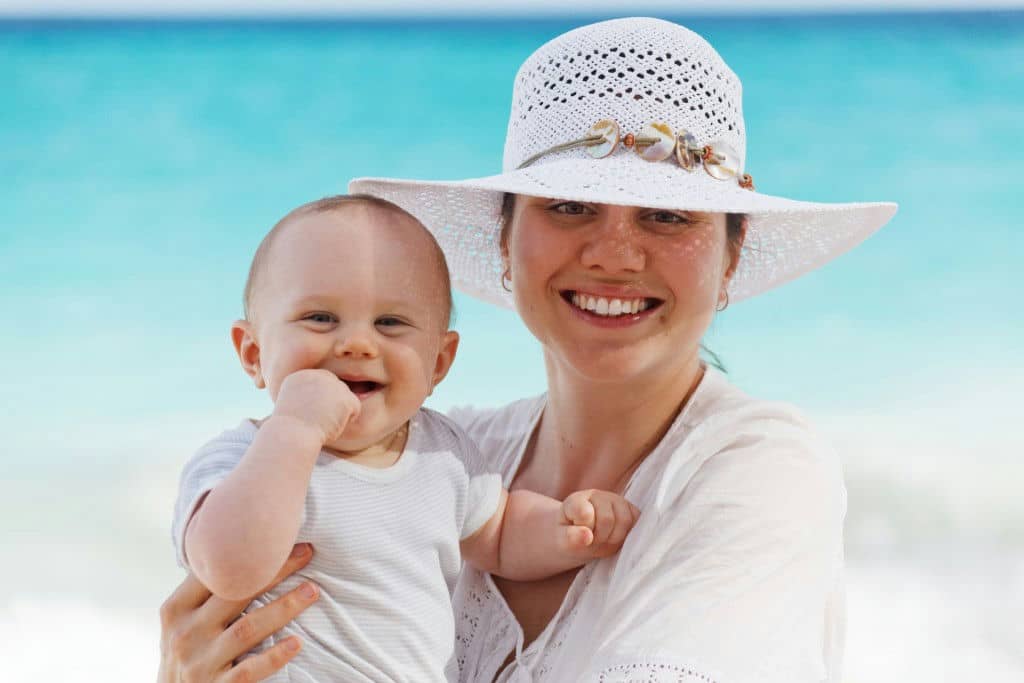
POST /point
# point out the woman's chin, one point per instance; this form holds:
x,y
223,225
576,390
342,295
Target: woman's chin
x,y
611,365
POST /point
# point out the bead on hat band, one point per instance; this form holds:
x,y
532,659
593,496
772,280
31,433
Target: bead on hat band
x,y
657,142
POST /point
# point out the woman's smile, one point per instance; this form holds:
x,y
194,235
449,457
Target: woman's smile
x,y
610,311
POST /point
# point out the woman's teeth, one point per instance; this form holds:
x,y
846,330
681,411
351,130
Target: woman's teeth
x,y
608,307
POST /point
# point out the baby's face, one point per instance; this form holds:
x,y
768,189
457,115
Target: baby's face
x,y
356,292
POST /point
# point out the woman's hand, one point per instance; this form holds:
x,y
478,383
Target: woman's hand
x,y
201,635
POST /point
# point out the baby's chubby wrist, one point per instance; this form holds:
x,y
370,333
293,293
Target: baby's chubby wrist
x,y
297,432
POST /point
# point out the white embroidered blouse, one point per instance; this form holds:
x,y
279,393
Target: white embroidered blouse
x,y
733,573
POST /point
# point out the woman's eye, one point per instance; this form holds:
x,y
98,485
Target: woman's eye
x,y
667,217
570,208
667,222
320,318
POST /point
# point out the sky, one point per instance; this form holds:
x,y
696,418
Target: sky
x,y
28,8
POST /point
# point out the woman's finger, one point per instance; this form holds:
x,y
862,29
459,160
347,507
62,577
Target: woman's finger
x,y
255,626
189,595
300,556
258,667
224,611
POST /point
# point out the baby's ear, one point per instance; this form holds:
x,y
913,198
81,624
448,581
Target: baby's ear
x,y
445,356
248,349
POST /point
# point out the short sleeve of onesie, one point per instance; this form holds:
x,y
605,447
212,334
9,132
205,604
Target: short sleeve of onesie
x,y
481,504
202,473
483,491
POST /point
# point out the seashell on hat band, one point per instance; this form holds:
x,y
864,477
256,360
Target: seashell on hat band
x,y
648,78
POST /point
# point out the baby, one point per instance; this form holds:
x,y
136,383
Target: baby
x,y
347,310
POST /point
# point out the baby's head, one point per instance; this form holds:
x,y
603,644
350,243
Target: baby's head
x,y
357,286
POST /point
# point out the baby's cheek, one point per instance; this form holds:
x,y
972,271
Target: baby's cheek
x,y
412,373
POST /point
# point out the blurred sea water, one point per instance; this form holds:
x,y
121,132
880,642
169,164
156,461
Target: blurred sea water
x,y
141,163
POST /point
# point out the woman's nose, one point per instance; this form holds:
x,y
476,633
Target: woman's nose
x,y
356,343
614,246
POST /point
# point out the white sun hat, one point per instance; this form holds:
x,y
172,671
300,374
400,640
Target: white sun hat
x,y
580,129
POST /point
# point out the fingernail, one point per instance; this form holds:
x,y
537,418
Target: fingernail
x,y
307,590
300,550
292,644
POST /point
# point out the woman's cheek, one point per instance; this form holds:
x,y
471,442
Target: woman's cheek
x,y
694,266
530,271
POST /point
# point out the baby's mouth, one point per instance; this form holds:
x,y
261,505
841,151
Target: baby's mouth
x,y
362,388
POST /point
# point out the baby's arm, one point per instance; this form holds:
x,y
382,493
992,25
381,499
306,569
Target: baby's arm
x,y
532,536
243,530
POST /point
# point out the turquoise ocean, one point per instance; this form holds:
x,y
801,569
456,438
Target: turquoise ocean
x,y
142,161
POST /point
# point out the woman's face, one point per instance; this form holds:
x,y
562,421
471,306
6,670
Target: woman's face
x,y
616,293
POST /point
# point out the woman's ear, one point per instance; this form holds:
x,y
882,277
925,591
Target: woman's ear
x,y
735,248
445,356
503,247
248,349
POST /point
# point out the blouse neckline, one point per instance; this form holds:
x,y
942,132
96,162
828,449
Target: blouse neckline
x,y
688,416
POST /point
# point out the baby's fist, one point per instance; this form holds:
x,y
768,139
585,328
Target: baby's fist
x,y
598,521
318,398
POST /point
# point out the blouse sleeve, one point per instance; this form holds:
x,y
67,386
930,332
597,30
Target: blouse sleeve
x,y
729,579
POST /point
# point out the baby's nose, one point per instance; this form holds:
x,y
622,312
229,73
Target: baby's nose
x,y
356,344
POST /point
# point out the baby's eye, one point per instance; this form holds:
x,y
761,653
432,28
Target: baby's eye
x,y
320,318
389,321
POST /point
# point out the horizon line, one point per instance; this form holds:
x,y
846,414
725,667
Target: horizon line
x,y
449,14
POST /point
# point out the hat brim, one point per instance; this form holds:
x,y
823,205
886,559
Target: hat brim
x,y
785,238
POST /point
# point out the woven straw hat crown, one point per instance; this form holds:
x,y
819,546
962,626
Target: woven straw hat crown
x,y
633,71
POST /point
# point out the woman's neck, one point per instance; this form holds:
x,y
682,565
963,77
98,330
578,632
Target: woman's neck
x,y
594,435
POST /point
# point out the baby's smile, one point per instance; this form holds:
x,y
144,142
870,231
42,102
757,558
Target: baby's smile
x,y
360,386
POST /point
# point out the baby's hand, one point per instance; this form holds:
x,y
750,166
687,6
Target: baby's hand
x,y
597,521
318,398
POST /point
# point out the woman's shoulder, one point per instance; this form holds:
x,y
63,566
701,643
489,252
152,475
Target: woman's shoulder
x,y
498,424
498,434
722,413
731,441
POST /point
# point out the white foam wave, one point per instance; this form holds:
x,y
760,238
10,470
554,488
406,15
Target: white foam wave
x,y
935,535
44,639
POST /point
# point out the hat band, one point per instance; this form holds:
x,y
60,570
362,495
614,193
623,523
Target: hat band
x,y
657,142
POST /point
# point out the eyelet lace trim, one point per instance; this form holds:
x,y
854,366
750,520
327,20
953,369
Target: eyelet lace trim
x,y
652,673
550,653
480,609
469,620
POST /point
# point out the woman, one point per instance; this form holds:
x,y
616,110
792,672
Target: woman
x,y
622,222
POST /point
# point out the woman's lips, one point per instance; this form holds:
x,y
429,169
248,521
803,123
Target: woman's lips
x,y
609,307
